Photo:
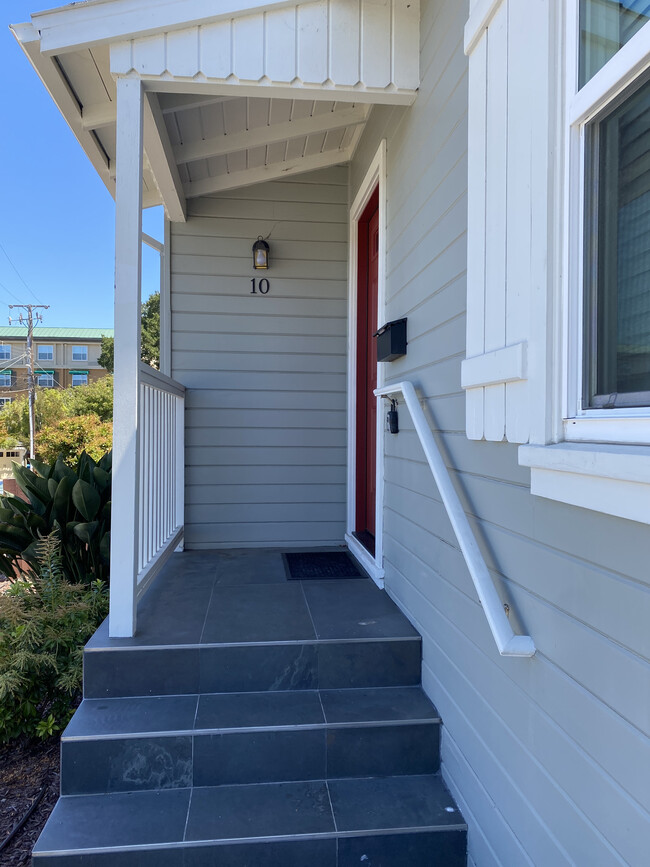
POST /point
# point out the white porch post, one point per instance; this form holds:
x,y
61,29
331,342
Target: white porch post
x,y
128,257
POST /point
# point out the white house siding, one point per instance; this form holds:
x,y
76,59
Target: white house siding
x,y
547,756
265,374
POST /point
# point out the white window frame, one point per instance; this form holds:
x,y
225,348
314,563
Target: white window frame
x,y
4,346
78,384
4,401
83,357
623,425
50,355
50,376
597,459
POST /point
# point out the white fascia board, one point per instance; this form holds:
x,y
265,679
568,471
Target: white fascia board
x,y
72,27
49,72
608,478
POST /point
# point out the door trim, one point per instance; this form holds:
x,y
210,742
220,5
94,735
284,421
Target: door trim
x,y
375,177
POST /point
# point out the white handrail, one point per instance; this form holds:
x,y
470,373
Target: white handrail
x,y
507,642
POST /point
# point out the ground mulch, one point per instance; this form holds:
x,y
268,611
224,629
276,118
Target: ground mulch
x,y
26,768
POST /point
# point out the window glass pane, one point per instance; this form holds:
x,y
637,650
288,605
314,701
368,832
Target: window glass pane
x,y
45,353
5,379
5,351
618,254
79,379
79,353
605,26
46,380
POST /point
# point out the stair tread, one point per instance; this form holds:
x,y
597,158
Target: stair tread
x,y
121,821
168,715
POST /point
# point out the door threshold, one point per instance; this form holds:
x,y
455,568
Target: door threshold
x,y
366,559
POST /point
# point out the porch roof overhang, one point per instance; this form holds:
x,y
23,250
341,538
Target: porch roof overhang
x,y
237,92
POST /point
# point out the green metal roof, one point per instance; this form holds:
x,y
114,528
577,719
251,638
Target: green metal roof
x,y
44,333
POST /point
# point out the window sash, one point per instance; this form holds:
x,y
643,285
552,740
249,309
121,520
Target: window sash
x,y
80,353
45,353
607,413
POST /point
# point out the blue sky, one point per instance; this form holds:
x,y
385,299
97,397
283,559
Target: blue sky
x,y
56,216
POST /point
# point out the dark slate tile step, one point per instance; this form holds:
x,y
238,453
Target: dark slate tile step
x,y
158,743
191,669
409,820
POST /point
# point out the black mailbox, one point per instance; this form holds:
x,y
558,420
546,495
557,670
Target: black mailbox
x,y
391,340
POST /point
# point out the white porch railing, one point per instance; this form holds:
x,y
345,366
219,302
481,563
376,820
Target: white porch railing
x,y
161,444
507,642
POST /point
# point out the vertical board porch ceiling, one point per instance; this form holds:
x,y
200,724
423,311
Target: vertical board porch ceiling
x,y
237,93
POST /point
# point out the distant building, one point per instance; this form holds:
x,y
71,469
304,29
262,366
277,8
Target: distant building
x,y
62,357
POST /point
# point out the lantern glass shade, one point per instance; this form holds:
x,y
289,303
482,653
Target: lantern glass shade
x,y
260,254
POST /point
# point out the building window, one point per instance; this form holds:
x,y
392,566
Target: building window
x,y
605,27
46,379
607,376
79,377
5,351
45,353
4,401
80,353
5,379
12,455
617,254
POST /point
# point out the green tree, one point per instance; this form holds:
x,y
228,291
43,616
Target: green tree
x,y
50,408
107,355
72,436
149,339
95,398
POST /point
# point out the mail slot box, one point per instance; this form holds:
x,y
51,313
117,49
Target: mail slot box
x,y
391,340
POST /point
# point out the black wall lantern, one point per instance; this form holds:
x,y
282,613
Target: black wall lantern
x,y
260,254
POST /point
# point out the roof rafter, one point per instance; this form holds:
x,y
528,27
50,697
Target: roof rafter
x,y
265,135
98,115
260,175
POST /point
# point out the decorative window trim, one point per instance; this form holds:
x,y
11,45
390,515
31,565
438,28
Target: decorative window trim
x,y
614,479
600,459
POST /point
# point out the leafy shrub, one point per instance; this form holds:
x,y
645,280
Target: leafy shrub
x,y
44,623
72,436
75,502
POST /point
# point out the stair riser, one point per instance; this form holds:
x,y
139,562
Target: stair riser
x,y
137,764
423,849
250,668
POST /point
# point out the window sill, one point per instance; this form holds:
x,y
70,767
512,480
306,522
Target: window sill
x,y
609,478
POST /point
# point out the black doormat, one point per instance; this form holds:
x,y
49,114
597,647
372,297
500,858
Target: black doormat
x,y
321,564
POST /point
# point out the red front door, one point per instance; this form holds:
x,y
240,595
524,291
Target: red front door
x,y
367,282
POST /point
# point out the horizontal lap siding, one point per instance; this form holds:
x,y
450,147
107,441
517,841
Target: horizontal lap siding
x,y
266,375
548,756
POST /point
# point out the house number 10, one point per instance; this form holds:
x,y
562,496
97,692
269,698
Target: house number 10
x,y
262,285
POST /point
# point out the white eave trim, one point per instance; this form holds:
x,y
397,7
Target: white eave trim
x,y
75,26
608,478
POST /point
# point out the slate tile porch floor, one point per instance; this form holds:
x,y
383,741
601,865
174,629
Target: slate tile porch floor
x,y
243,596
360,783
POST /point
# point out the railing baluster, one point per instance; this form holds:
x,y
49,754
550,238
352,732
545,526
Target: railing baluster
x,y
161,481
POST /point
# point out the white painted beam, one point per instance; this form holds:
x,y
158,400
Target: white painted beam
x,y
128,259
265,135
160,155
83,24
98,115
261,175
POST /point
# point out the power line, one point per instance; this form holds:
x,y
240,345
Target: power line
x,y
9,292
20,277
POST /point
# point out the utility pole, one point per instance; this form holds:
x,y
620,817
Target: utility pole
x,y
31,383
